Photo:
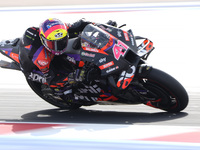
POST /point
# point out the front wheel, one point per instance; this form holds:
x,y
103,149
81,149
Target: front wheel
x,y
160,90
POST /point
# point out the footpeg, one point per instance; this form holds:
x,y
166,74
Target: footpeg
x,y
9,65
4,63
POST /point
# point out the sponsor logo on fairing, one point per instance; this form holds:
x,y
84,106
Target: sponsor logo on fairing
x,y
88,54
112,69
111,63
102,60
92,49
14,56
132,40
109,29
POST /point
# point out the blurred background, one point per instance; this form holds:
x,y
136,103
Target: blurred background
x,y
13,3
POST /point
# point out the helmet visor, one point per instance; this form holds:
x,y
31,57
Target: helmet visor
x,y
55,45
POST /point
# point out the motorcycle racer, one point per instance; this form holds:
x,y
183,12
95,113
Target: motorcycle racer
x,y
40,46
124,77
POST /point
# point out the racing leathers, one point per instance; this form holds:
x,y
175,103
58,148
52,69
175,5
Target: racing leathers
x,y
39,64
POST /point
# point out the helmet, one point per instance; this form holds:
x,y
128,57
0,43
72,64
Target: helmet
x,y
54,35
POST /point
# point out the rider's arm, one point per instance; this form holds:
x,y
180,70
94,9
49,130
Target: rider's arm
x,y
28,45
33,53
77,27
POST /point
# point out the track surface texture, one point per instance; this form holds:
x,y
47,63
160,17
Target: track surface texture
x,y
24,105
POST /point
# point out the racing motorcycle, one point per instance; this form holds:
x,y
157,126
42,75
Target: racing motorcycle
x,y
122,77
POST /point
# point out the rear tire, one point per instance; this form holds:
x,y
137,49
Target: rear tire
x,y
36,87
171,96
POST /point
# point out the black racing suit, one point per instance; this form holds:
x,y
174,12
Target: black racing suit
x,y
36,60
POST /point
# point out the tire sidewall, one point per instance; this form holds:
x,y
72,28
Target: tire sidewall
x,y
170,85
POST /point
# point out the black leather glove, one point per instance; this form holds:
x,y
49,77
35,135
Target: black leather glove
x,y
82,75
112,23
76,76
78,26
92,74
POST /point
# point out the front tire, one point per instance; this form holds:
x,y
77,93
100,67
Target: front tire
x,y
163,91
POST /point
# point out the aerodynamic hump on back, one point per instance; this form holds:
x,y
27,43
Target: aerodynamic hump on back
x,y
10,49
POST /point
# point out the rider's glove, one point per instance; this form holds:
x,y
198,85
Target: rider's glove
x,y
112,23
76,76
92,74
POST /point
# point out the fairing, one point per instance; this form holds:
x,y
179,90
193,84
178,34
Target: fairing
x,y
108,52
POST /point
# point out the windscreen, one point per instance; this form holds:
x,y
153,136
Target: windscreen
x,y
94,37
103,49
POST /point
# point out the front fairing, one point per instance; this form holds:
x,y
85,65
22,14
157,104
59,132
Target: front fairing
x,y
105,50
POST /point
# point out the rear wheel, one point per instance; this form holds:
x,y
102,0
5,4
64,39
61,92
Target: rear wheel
x,y
36,87
160,90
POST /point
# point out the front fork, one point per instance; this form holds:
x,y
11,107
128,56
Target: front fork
x,y
139,87
143,70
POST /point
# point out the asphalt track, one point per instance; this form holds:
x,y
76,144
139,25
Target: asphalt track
x,y
22,105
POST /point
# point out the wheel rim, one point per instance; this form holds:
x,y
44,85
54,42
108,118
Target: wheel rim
x,y
156,95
